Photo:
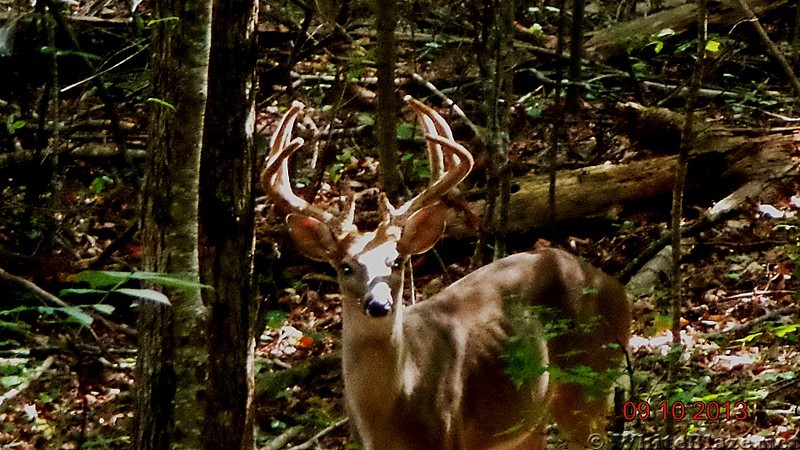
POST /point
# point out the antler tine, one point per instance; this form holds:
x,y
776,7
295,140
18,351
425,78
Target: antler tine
x,y
442,146
435,124
462,166
275,177
435,155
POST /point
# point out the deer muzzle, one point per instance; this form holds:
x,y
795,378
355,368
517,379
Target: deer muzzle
x,y
378,301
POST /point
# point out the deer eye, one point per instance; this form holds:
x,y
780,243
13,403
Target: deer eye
x,y
346,269
397,264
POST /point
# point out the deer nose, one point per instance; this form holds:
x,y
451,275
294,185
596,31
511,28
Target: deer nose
x,y
378,302
378,307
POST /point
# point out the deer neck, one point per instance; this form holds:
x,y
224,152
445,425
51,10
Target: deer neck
x,y
374,345
376,367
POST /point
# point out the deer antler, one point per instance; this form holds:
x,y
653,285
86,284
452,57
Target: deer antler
x,y
450,163
275,177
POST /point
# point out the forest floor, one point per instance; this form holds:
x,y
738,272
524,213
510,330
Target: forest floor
x,y
738,378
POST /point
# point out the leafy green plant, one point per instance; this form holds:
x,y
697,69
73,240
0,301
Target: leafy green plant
x,y
160,102
163,19
420,168
406,131
364,118
101,183
12,373
275,319
13,125
657,41
788,332
73,314
337,169
523,360
536,106
107,282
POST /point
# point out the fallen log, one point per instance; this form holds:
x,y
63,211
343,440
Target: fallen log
x,y
599,190
605,45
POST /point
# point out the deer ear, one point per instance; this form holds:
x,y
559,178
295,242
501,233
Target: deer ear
x,y
312,237
423,229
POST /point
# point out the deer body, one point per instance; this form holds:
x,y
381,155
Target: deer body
x,y
435,375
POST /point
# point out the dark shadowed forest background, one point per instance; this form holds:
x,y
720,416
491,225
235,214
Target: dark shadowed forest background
x,y
150,297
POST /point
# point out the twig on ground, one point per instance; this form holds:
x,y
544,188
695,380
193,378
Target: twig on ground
x,y
447,101
25,384
738,330
314,439
31,286
773,49
754,293
283,439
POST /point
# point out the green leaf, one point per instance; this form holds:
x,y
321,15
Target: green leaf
x,y
74,314
405,131
146,294
78,291
160,102
748,338
365,118
99,184
103,308
523,360
15,326
19,124
345,156
163,19
534,112
167,280
711,397
335,172
666,32
783,330
355,73
18,309
712,46
11,381
275,319
100,279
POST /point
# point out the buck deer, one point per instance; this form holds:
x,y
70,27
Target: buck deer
x,y
439,374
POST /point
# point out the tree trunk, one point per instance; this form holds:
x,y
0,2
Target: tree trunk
x,y
171,363
495,65
226,226
386,116
575,55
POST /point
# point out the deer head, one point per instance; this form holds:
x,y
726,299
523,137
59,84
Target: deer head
x,y
369,264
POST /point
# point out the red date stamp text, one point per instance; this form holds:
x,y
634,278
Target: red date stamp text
x,y
677,411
